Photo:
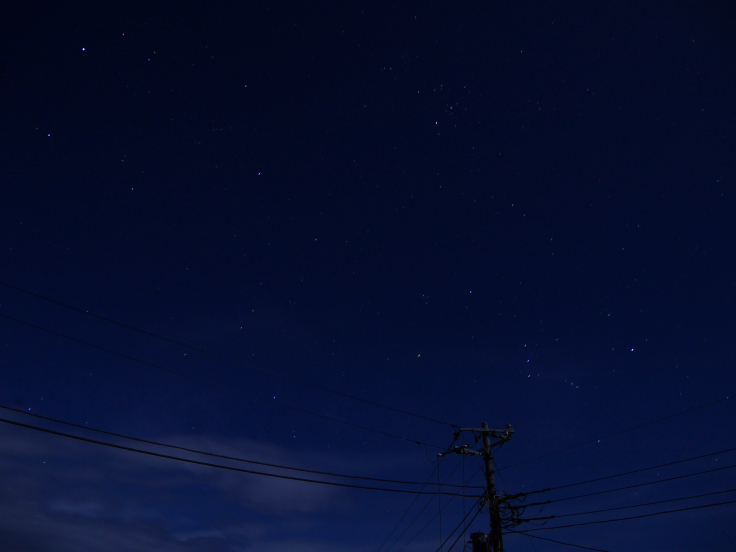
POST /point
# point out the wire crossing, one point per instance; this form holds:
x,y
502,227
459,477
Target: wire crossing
x,y
419,514
225,457
461,534
500,475
227,359
220,466
407,543
462,521
215,385
407,511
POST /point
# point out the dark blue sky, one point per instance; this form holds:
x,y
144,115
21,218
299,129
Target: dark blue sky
x,y
504,212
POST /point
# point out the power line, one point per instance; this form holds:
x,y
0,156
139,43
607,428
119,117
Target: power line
x,y
615,434
632,506
215,385
630,517
634,471
407,510
465,527
419,514
633,486
458,527
461,534
227,359
428,522
500,475
439,498
222,456
556,541
412,523
219,466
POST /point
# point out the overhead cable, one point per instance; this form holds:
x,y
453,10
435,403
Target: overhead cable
x,y
407,510
428,522
219,466
477,502
461,534
633,486
630,517
632,506
633,471
615,434
506,489
222,456
227,359
429,501
556,541
215,385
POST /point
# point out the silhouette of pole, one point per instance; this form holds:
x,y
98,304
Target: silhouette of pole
x,y
496,534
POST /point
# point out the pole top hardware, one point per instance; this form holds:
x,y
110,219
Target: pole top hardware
x,y
462,449
503,436
496,433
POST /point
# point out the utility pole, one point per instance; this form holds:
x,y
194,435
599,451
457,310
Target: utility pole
x,y
496,536
483,542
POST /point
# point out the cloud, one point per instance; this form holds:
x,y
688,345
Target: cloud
x,y
61,495
86,508
192,535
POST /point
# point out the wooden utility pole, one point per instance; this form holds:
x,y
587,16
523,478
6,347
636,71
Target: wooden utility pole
x,y
483,542
496,535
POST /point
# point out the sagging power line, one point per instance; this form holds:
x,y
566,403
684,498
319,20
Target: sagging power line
x,y
222,456
617,433
462,521
679,499
640,470
556,541
220,466
646,484
225,358
641,516
406,512
215,385
413,521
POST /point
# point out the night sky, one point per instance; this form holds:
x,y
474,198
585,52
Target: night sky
x,y
223,223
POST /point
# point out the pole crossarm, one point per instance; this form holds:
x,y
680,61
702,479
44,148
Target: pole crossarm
x,y
498,433
503,435
462,449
